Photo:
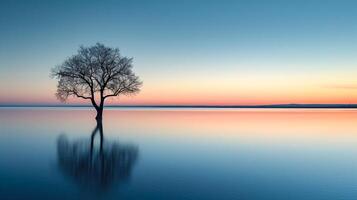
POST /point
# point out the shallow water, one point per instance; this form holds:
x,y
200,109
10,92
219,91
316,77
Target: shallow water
x,y
46,153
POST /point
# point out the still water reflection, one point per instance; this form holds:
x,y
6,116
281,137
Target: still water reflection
x,y
136,154
96,169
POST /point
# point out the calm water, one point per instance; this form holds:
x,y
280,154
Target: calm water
x,y
48,153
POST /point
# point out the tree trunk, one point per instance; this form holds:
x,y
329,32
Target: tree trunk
x,y
99,108
99,116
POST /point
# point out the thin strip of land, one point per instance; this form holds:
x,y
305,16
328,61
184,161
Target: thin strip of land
x,y
305,106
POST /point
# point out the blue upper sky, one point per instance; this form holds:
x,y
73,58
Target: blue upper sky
x,y
170,39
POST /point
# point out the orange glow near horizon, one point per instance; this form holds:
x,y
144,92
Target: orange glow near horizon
x,y
223,90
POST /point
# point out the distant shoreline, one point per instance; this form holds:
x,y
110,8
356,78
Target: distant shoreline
x,y
303,106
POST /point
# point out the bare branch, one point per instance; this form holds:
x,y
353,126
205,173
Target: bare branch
x,y
96,71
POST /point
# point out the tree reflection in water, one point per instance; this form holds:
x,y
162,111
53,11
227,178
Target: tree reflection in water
x,y
94,167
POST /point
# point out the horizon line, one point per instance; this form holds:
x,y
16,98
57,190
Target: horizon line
x,y
292,105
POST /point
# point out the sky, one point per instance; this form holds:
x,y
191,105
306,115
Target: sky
x,y
188,52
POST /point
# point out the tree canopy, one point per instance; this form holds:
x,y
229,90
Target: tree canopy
x,y
96,73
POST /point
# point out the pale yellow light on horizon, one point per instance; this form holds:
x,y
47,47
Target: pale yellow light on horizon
x,y
208,89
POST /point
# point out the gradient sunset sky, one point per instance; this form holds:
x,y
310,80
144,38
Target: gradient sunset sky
x,y
189,52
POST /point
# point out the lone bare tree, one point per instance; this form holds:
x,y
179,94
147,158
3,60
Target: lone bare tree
x,y
96,73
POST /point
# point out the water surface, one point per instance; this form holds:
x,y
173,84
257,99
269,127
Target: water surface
x,y
48,153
